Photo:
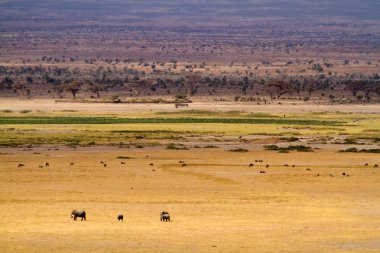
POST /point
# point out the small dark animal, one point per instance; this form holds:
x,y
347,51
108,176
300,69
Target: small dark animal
x,y
20,165
256,161
81,214
251,165
105,165
267,166
262,172
102,162
164,216
308,169
151,164
343,174
293,166
260,161
120,217
376,166
183,165
366,165
71,164
40,166
181,161
122,162
286,165
46,164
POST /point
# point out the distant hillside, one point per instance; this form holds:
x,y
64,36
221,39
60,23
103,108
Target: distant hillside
x,y
214,9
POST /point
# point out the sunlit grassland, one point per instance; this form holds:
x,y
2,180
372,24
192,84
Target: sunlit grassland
x,y
81,128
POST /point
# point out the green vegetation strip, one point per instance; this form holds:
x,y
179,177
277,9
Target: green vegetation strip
x,y
106,120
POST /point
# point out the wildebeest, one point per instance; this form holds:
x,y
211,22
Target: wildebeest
x,y
71,164
40,166
376,166
164,216
267,166
102,162
81,213
20,165
120,217
183,165
262,172
365,165
151,164
251,165
181,161
122,162
105,165
46,164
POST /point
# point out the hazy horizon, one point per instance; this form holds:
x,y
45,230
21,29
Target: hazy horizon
x,y
367,9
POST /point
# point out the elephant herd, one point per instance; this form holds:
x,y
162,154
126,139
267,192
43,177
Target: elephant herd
x,y
164,215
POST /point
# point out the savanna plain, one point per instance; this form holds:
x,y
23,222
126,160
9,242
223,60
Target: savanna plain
x,y
249,180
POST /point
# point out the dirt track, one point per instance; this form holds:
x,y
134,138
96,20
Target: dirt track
x,y
46,105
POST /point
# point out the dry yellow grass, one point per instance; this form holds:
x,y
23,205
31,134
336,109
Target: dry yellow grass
x,y
217,203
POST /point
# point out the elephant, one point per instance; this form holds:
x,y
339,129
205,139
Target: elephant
x,y
164,216
80,213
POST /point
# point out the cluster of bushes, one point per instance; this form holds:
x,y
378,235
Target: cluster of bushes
x,y
173,146
299,148
355,150
238,150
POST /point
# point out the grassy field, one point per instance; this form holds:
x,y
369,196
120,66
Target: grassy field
x,y
326,202
217,202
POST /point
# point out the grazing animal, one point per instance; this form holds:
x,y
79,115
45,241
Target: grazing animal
x,y
71,164
251,165
286,165
256,161
262,172
40,166
20,165
294,166
366,165
343,174
122,162
81,214
181,161
164,216
151,164
120,217
267,166
376,166
102,162
105,165
260,161
183,165
46,164
308,169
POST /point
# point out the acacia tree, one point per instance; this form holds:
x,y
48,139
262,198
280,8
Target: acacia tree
x,y
59,90
18,87
277,88
96,89
73,87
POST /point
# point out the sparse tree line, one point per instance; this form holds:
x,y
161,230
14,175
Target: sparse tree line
x,y
57,82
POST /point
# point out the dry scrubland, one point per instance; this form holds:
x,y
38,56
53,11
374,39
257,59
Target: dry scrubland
x,y
217,202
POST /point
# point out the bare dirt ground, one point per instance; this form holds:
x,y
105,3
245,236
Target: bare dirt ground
x,y
49,105
217,202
